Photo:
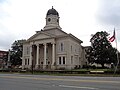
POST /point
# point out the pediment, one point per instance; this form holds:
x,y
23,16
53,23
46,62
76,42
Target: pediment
x,y
40,35
56,32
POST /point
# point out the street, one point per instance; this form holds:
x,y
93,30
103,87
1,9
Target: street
x,y
47,82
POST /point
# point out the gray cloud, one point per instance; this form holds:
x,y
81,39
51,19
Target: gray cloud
x,y
6,41
6,38
109,12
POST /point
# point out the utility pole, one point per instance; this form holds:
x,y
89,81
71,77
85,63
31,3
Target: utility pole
x,y
115,38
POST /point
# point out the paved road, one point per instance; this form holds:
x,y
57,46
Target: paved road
x,y
46,82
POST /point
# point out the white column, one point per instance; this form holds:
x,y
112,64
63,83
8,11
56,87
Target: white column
x,y
23,62
30,62
37,55
53,54
45,48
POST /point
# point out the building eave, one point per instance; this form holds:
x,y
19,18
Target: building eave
x,y
75,38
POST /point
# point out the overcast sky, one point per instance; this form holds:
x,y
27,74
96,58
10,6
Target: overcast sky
x,y
19,19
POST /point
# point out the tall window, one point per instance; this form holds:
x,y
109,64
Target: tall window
x,y
25,61
27,52
59,60
28,61
71,48
71,59
61,46
63,60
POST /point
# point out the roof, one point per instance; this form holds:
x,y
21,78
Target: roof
x,y
3,51
52,12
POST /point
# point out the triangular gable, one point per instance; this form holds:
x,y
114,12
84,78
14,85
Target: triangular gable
x,y
55,32
40,35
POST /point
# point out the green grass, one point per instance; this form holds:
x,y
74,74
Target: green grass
x,y
81,73
93,70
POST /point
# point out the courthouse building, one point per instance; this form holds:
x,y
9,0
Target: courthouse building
x,y
52,48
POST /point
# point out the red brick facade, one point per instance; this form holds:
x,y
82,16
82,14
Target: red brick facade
x,y
3,56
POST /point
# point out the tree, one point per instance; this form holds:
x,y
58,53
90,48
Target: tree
x,y
101,50
16,52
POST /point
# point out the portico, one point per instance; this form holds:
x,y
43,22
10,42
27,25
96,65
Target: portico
x,y
42,55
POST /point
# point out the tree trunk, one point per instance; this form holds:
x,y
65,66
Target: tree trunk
x,y
102,65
